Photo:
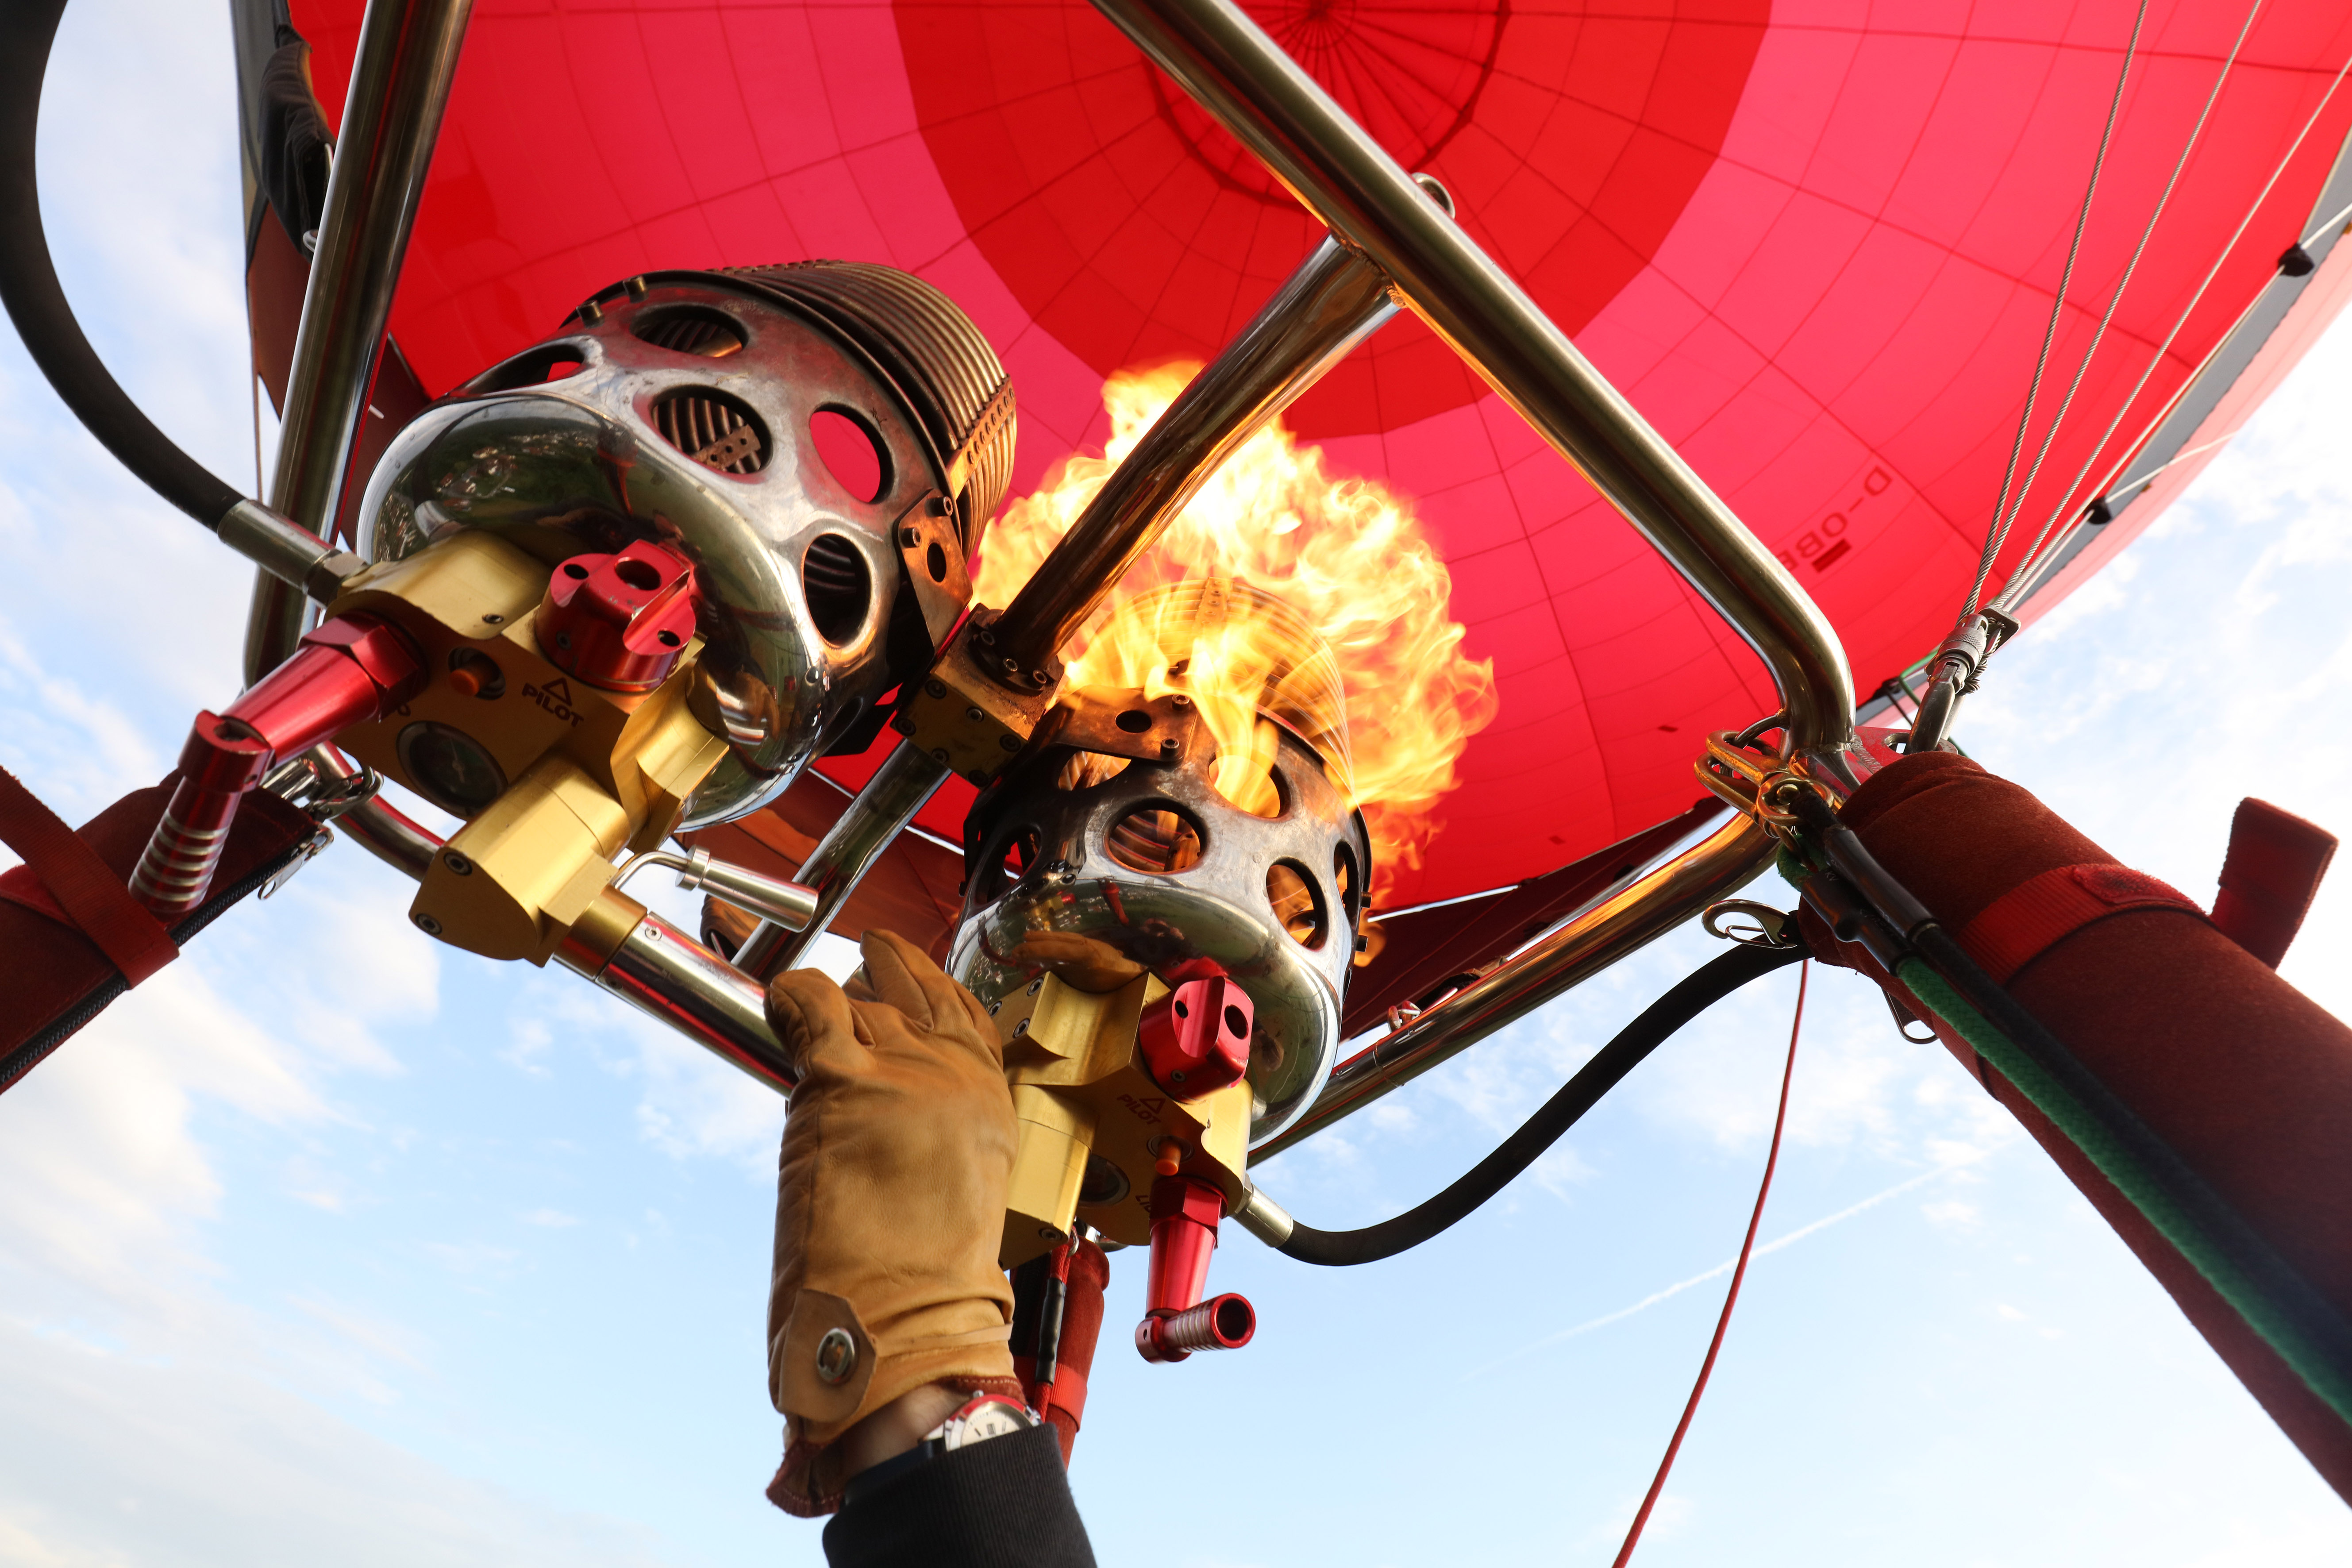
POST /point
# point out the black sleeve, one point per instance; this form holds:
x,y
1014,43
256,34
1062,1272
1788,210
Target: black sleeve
x,y
1003,1503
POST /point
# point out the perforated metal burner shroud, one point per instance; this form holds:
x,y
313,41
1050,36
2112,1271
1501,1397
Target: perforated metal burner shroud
x,y
685,406
1152,869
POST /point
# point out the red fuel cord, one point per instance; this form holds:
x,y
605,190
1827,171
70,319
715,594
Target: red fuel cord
x,y
1731,1297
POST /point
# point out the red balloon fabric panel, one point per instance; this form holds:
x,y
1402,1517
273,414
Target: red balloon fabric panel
x,y
1817,247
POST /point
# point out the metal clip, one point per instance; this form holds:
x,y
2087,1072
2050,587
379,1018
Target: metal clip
x,y
321,794
1772,927
306,852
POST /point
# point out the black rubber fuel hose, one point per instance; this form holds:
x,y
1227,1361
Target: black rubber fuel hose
x,y
1719,978
29,289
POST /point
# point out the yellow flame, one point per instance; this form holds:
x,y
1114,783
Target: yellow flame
x,y
1345,554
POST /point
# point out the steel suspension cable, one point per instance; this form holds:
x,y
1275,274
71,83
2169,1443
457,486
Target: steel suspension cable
x,y
2032,572
2322,228
1730,1297
1997,531
2082,368
2189,309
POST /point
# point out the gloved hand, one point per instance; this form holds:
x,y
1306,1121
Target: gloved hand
x,y
889,1208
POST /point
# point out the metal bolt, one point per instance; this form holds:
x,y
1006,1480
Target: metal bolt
x,y
836,1356
592,312
1036,985
1019,1028
1048,1234
493,620
939,754
974,714
935,687
909,537
1013,667
1168,747
1009,743
457,863
636,288
1179,701
563,640
426,923
939,506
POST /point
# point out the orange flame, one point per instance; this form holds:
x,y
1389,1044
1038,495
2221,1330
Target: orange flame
x,y
1345,554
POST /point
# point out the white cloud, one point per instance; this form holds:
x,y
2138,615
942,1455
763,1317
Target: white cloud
x,y
109,1458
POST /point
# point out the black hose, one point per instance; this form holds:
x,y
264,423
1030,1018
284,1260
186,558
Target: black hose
x,y
29,289
1719,978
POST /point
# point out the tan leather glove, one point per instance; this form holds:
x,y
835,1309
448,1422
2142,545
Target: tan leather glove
x,y
889,1206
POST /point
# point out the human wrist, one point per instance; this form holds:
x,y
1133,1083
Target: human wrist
x,y
898,1426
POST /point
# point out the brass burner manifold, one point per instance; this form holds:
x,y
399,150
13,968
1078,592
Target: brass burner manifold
x,y
1095,1129
582,772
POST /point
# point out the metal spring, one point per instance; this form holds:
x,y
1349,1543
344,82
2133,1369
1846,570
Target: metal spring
x,y
176,869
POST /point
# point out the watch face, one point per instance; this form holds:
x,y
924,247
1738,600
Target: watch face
x,y
982,1419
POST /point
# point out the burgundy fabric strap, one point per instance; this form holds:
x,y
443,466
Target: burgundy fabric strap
x,y
86,890
2269,877
2029,919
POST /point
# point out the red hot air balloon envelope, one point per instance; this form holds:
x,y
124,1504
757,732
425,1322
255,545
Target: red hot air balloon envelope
x,y
1816,244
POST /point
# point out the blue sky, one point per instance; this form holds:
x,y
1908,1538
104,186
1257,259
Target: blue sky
x,y
331,1244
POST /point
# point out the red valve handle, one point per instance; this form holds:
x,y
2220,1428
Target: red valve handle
x,y
1185,1211
351,668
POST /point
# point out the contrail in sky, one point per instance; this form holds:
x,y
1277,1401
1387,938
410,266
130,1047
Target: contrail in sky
x,y
1718,1272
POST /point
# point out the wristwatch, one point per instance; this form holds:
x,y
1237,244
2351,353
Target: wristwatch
x,y
979,1418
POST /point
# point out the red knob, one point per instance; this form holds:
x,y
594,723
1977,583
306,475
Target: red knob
x,y
619,622
1196,1039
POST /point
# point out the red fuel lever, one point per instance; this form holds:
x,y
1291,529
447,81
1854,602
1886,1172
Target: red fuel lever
x,y
1176,1321
352,668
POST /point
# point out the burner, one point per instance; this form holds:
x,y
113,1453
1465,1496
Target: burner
x,y
1132,838
823,441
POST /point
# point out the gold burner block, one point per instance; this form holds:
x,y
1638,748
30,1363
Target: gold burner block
x,y
1079,1089
584,774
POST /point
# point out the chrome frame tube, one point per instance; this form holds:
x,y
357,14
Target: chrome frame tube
x,y
400,85
657,968
873,819
1246,82
665,972
384,831
1333,301
1595,937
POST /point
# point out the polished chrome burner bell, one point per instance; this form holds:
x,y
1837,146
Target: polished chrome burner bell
x,y
1195,823
824,441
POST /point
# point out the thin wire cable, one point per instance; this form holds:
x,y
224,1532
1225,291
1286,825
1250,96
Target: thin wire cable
x,y
2036,569
1997,531
2164,347
2147,432
1738,1273
2164,199
2313,238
